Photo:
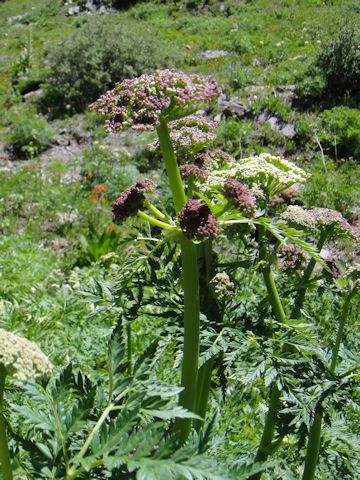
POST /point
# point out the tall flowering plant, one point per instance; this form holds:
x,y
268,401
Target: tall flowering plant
x,y
213,195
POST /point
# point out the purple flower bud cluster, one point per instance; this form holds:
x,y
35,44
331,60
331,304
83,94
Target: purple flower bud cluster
x,y
216,158
130,200
291,256
191,169
241,195
197,221
138,103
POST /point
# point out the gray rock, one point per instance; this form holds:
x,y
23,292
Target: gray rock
x,y
232,106
16,18
73,11
288,130
33,94
212,54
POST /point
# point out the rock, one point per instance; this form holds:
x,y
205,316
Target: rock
x,y
286,129
33,94
232,106
16,18
73,11
212,54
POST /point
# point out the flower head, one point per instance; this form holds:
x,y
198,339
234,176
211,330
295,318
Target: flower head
x,y
223,286
291,256
241,195
21,358
131,199
138,103
191,169
197,221
318,218
275,174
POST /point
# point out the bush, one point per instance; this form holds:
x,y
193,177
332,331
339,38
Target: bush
x,y
339,62
339,130
94,58
29,133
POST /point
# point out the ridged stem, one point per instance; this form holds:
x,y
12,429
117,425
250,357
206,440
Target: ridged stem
x,y
4,448
263,451
190,272
299,300
171,166
314,442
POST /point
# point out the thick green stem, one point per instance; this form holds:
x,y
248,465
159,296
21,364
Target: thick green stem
x,y
273,294
313,446
4,448
340,333
189,372
269,429
299,300
171,166
210,308
263,451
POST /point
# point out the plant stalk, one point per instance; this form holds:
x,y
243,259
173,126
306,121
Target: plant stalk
x,y
190,271
4,448
263,451
314,442
299,300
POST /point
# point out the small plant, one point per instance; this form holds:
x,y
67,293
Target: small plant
x,y
29,133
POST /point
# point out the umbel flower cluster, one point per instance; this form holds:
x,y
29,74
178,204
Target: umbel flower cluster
x,y
21,358
317,218
190,135
138,103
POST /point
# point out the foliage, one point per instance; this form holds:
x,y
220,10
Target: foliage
x,y
119,424
339,130
337,186
29,134
95,57
338,60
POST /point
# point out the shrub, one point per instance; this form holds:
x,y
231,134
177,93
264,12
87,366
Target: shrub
x,y
29,133
340,131
94,58
339,62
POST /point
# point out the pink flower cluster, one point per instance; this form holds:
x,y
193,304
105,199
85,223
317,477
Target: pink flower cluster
x,y
130,200
138,103
191,169
241,195
197,221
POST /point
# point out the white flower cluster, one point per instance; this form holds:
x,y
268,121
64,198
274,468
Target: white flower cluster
x,y
274,174
22,358
266,172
